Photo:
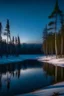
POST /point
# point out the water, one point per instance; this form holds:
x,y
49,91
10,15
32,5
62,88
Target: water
x,y
24,77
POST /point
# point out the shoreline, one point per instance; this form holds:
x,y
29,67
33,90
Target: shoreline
x,y
18,59
48,91
52,60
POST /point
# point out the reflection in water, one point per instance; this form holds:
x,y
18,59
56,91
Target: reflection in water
x,y
24,77
8,80
55,71
6,71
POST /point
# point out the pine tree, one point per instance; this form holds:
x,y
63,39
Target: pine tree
x,y
7,33
16,46
45,34
13,45
62,32
8,30
13,40
55,14
19,45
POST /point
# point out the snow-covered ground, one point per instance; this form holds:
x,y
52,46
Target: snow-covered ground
x,y
48,91
11,59
52,60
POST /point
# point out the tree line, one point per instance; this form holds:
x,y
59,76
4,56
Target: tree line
x,y
10,45
53,34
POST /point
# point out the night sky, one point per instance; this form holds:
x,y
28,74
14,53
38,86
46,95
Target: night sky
x,y
27,17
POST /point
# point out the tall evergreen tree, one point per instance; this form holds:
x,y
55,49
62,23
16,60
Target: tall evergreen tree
x,y
19,45
16,46
62,32
13,40
18,40
55,14
7,29
13,45
45,34
7,33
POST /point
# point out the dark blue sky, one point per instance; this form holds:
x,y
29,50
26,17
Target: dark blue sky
x,y
27,17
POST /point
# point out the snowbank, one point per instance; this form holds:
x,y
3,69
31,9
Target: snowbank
x,y
52,60
48,91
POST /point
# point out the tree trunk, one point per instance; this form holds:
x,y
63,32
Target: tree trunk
x,y
46,49
51,49
7,45
56,37
61,46
62,35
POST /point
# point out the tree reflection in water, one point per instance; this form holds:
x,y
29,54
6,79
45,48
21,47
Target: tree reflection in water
x,y
55,71
12,70
15,77
8,80
9,70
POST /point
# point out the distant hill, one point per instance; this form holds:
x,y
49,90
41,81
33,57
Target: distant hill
x,y
31,48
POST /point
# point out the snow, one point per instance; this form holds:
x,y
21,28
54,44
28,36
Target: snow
x,y
48,91
19,58
52,60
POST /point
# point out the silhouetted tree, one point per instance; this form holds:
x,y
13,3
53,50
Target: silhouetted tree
x,y
16,47
19,45
7,33
55,14
45,34
62,32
